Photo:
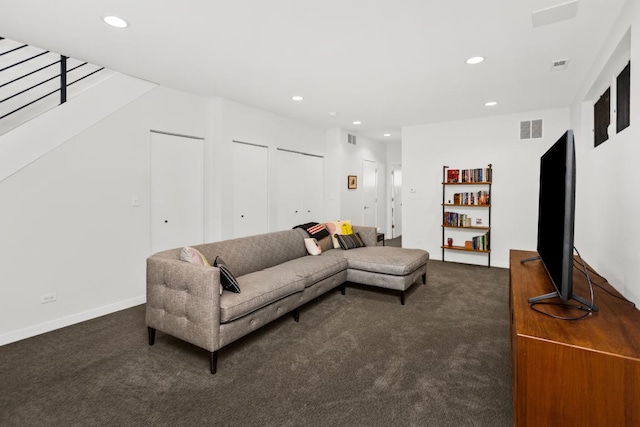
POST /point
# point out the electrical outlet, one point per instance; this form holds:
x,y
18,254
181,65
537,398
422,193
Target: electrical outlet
x,y
45,298
135,201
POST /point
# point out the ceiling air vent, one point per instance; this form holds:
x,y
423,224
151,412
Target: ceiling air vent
x,y
531,129
560,64
351,139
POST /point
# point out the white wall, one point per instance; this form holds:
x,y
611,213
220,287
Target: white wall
x,y
45,133
333,174
606,202
470,144
67,224
347,159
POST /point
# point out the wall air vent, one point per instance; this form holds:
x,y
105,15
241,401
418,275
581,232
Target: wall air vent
x,y
351,139
531,129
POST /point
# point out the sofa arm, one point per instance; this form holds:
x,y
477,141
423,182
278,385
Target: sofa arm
x,y
368,234
183,300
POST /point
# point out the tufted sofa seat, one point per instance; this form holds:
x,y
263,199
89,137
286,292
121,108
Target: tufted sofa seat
x,y
275,276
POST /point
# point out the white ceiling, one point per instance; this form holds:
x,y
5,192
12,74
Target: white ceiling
x,y
386,63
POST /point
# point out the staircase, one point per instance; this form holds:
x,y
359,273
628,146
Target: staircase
x,y
33,81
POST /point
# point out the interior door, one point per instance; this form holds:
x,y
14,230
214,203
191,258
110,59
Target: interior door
x,y
369,191
396,201
250,189
289,190
313,191
177,191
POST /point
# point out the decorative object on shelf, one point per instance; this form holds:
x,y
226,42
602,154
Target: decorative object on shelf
x,y
352,182
476,200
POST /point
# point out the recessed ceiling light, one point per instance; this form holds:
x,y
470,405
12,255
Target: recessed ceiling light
x,y
357,122
297,98
387,134
115,21
475,60
491,104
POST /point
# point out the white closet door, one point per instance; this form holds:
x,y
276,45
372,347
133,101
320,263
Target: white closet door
x,y
313,191
177,183
289,190
250,190
369,191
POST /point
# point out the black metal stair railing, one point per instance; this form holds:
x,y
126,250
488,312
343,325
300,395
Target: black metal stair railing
x,y
62,77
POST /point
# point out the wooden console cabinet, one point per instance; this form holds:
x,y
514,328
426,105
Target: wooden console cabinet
x,y
572,373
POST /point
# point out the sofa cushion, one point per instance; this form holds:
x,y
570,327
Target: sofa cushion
x,y
312,269
326,243
227,279
259,289
314,229
384,259
350,241
312,245
338,227
193,256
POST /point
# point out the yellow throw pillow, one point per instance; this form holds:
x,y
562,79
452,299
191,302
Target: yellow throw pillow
x,y
346,228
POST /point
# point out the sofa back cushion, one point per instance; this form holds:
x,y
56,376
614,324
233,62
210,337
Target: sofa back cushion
x,y
254,253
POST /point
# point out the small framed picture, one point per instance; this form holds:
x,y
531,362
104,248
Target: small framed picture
x,y
352,182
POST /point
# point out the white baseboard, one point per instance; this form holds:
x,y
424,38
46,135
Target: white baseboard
x,y
52,325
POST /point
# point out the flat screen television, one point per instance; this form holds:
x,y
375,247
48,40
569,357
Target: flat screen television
x,y
556,217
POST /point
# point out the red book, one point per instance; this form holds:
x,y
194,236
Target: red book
x,y
453,175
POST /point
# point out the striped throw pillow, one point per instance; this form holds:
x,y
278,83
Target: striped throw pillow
x,y
228,280
349,241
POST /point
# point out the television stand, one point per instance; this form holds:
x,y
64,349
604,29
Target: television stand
x,y
571,373
590,306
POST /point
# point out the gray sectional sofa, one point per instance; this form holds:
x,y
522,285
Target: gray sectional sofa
x,y
276,276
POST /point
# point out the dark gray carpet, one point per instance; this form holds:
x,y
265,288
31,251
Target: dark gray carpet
x,y
355,360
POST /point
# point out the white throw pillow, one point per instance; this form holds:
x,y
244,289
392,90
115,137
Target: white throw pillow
x,y
193,256
312,245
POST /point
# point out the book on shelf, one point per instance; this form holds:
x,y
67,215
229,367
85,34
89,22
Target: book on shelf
x,y
453,175
480,243
455,219
471,198
476,175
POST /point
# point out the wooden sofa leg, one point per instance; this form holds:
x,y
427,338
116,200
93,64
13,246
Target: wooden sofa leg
x,y
424,279
296,314
213,361
402,297
152,335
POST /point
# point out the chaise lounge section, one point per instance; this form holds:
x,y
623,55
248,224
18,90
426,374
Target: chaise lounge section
x,y
275,275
